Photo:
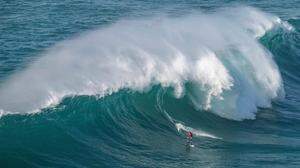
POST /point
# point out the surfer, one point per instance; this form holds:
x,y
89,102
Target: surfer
x,y
189,137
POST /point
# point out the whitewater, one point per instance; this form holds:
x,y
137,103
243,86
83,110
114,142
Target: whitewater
x,y
219,53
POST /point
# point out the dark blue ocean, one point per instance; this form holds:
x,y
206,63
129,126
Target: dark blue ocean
x,y
107,83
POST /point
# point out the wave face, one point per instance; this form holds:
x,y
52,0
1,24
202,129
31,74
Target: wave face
x,y
219,54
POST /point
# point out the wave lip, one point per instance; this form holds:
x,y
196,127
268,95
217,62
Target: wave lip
x,y
219,53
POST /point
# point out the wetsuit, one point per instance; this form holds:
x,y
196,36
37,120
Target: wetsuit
x,y
189,137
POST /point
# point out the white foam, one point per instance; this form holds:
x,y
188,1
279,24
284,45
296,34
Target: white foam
x,y
1,113
217,52
196,132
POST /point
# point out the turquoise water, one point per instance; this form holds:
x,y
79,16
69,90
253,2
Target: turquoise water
x,y
118,83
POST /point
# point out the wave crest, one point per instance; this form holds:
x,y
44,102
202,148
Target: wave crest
x,y
232,72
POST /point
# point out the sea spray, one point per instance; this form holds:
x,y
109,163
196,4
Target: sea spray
x,y
232,72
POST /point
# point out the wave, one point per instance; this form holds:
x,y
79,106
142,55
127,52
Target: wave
x,y
219,54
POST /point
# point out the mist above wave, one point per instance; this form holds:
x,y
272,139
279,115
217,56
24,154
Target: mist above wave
x,y
232,73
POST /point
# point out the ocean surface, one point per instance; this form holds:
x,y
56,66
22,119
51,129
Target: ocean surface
x,y
107,83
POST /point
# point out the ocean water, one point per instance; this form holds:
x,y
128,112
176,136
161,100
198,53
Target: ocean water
x,y
119,83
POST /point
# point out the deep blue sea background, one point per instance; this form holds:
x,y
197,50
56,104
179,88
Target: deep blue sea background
x,y
130,128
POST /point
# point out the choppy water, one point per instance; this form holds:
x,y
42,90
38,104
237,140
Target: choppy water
x,y
118,84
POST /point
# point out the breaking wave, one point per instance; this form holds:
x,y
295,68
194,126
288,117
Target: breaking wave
x,y
214,59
